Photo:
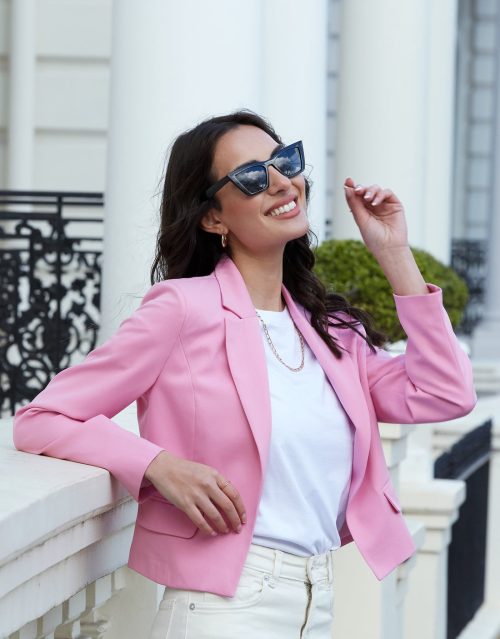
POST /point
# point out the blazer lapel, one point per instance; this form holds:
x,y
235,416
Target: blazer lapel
x,y
245,354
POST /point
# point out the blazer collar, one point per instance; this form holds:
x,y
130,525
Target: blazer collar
x,y
234,293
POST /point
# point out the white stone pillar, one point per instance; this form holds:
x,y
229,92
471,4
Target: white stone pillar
x,y
21,114
486,340
294,88
172,65
436,504
439,130
395,110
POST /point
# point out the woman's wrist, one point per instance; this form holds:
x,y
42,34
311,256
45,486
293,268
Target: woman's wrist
x,y
401,270
154,464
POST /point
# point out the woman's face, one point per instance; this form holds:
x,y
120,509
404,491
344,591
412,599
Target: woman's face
x,y
245,219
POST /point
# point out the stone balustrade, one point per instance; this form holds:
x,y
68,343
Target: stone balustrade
x,y
65,533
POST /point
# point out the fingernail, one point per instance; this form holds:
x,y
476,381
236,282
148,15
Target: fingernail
x,y
238,529
368,195
244,518
213,533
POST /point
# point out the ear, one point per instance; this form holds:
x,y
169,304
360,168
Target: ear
x,y
211,223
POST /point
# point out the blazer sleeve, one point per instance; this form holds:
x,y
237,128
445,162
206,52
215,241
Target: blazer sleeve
x,y
71,418
432,381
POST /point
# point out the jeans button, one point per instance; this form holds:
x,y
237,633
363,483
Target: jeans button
x,y
192,606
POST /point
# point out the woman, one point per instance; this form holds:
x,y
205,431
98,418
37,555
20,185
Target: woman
x,y
258,394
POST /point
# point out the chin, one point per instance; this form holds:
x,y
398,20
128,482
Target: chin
x,y
299,232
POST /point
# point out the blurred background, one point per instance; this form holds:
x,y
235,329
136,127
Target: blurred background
x,y
92,93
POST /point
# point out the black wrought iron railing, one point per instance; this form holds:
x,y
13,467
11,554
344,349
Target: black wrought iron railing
x,y
468,259
469,460
50,275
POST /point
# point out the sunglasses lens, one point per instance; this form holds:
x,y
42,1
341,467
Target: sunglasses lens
x,y
289,161
253,179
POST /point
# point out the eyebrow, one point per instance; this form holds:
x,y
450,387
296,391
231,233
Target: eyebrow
x,y
249,162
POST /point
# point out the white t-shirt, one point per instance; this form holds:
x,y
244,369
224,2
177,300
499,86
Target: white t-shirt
x,y
308,474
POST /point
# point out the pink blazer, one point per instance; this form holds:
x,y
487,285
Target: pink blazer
x,y
193,358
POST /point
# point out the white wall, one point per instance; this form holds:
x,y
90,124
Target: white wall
x,y
73,43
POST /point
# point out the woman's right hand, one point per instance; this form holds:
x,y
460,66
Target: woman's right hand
x,y
196,489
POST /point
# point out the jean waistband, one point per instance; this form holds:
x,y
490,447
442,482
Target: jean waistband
x,y
283,564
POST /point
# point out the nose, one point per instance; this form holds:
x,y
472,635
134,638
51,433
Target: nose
x,y
277,181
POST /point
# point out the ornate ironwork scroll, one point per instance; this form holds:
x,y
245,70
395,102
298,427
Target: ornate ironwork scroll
x,y
50,274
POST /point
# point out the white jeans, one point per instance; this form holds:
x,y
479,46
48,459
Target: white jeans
x,y
279,596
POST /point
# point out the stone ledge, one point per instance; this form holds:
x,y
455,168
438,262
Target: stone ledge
x,y
63,526
436,503
40,496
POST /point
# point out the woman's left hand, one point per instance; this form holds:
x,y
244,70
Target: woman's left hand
x,y
379,215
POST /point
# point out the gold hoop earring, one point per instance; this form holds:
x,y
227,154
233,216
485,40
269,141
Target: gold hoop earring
x,y
223,240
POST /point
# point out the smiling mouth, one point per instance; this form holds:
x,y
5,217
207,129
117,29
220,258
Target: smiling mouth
x,y
281,210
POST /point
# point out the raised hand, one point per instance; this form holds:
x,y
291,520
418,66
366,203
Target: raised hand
x,y
198,490
381,220
379,215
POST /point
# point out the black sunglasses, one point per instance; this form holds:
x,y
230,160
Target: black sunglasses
x,y
254,178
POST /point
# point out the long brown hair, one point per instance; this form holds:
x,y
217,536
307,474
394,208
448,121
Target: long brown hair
x,y
184,249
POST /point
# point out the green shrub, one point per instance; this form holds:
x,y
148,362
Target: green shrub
x,y
348,268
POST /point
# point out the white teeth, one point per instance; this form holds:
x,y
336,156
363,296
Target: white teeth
x,y
283,209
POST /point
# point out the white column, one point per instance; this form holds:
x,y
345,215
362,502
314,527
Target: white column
x,y
294,89
172,65
486,340
436,504
439,134
395,112
21,114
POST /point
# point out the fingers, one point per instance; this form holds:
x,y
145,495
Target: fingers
x,y
213,502
229,500
372,194
209,509
198,518
200,491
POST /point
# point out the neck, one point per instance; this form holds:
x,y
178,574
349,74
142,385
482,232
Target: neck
x,y
263,276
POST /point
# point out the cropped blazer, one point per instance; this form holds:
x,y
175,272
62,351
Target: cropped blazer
x,y
192,358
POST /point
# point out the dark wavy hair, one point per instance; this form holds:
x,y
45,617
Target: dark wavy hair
x,y
184,249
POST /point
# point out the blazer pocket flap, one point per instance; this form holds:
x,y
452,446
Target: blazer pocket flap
x,y
161,516
390,493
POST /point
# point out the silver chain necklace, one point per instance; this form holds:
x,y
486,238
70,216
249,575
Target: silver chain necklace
x,y
273,348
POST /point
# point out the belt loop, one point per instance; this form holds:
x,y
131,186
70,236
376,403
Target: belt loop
x,y
330,566
278,559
